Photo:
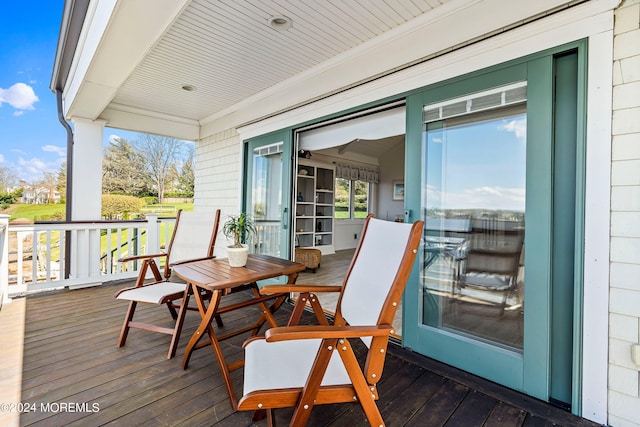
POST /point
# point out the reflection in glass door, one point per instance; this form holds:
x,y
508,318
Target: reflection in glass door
x,y
473,205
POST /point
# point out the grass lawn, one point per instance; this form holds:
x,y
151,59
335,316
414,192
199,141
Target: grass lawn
x,y
30,212
48,212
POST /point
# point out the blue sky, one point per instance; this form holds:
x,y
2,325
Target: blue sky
x,y
32,140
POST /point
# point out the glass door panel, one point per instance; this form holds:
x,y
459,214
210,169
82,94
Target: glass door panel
x,y
266,205
483,152
268,193
473,204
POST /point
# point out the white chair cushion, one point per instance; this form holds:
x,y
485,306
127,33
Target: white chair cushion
x,y
152,293
291,361
373,272
192,236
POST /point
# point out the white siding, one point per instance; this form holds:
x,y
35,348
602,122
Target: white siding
x,y
624,303
218,176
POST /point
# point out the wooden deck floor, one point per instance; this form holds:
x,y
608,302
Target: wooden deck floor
x,y
69,357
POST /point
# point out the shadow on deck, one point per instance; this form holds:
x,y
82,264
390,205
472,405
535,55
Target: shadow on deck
x,y
68,356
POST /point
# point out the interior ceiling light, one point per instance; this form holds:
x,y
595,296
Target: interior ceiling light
x,y
188,88
280,22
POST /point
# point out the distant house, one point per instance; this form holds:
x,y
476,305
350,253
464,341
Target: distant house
x,y
38,195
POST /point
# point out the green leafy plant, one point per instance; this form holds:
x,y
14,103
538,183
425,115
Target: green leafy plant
x,y
114,206
239,228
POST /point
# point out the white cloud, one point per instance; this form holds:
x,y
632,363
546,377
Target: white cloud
x,y
114,139
517,126
18,113
60,151
481,198
1,158
32,169
33,165
20,96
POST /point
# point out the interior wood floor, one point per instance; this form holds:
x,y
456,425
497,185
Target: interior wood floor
x,y
66,354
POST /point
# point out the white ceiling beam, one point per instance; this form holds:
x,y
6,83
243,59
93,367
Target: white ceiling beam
x,y
116,36
138,120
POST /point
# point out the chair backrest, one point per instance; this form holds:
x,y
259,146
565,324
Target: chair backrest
x,y
378,273
194,236
488,255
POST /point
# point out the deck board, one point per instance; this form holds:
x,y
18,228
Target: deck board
x,y
70,355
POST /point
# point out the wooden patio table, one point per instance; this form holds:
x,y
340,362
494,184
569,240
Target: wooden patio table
x,y
216,276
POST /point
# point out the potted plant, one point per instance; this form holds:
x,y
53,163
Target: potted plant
x,y
238,228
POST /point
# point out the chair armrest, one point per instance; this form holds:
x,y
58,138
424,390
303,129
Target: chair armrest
x,y
287,333
138,257
186,261
281,289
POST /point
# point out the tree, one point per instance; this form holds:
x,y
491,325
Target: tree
x,y
123,170
8,179
8,193
61,180
160,154
186,179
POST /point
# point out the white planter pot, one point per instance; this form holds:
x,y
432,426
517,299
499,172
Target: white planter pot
x,y
237,256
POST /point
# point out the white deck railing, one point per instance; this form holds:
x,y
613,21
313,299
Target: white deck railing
x,y
35,257
267,239
4,256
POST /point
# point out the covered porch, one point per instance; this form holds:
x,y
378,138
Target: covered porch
x,y
227,76
63,365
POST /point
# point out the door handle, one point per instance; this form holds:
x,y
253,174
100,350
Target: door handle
x,y
407,215
285,219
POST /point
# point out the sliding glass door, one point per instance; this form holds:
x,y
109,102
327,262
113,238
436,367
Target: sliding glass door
x,y
268,192
491,169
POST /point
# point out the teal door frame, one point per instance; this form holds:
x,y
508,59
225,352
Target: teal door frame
x,y
546,74
283,136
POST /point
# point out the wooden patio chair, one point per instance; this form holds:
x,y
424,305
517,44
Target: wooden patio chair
x,y
193,238
489,266
303,366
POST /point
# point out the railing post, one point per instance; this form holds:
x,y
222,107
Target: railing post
x,y
85,258
153,234
4,259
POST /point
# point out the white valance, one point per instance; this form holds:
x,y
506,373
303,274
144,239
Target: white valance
x,y
351,172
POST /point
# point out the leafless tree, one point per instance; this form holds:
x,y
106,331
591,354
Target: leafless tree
x,y
8,178
160,154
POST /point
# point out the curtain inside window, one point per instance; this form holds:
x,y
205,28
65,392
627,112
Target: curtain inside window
x,y
356,173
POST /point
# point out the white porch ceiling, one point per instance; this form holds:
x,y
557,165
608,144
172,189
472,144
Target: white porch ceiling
x,y
136,55
228,51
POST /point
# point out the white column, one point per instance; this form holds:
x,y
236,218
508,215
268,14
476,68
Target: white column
x,y
86,200
87,169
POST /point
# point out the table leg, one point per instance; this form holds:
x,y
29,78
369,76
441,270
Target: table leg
x,y
205,325
267,312
206,314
